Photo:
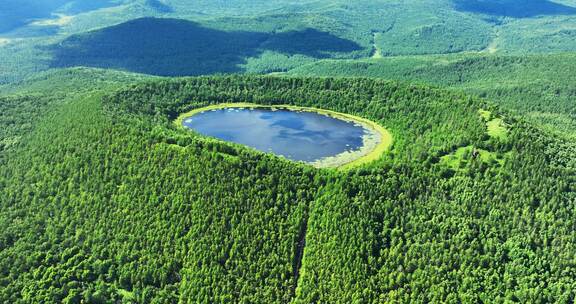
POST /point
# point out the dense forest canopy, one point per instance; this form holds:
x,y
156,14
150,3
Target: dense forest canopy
x,y
539,87
104,199
124,206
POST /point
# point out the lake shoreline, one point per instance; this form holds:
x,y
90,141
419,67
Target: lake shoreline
x,y
377,140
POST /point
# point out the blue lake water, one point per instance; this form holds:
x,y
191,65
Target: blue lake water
x,y
299,136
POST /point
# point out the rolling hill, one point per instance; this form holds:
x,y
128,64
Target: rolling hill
x,y
104,199
378,28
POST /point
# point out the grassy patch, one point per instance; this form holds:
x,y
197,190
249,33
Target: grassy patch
x,y
460,158
496,126
385,136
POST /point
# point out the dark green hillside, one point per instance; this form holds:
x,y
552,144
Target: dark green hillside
x,y
32,99
172,47
71,81
106,200
149,266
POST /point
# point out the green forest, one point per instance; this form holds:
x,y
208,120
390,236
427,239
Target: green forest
x,y
537,87
105,200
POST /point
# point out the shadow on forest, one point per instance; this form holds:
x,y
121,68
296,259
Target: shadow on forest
x,y
18,13
173,47
514,8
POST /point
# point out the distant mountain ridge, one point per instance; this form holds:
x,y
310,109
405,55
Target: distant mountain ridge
x,y
378,28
